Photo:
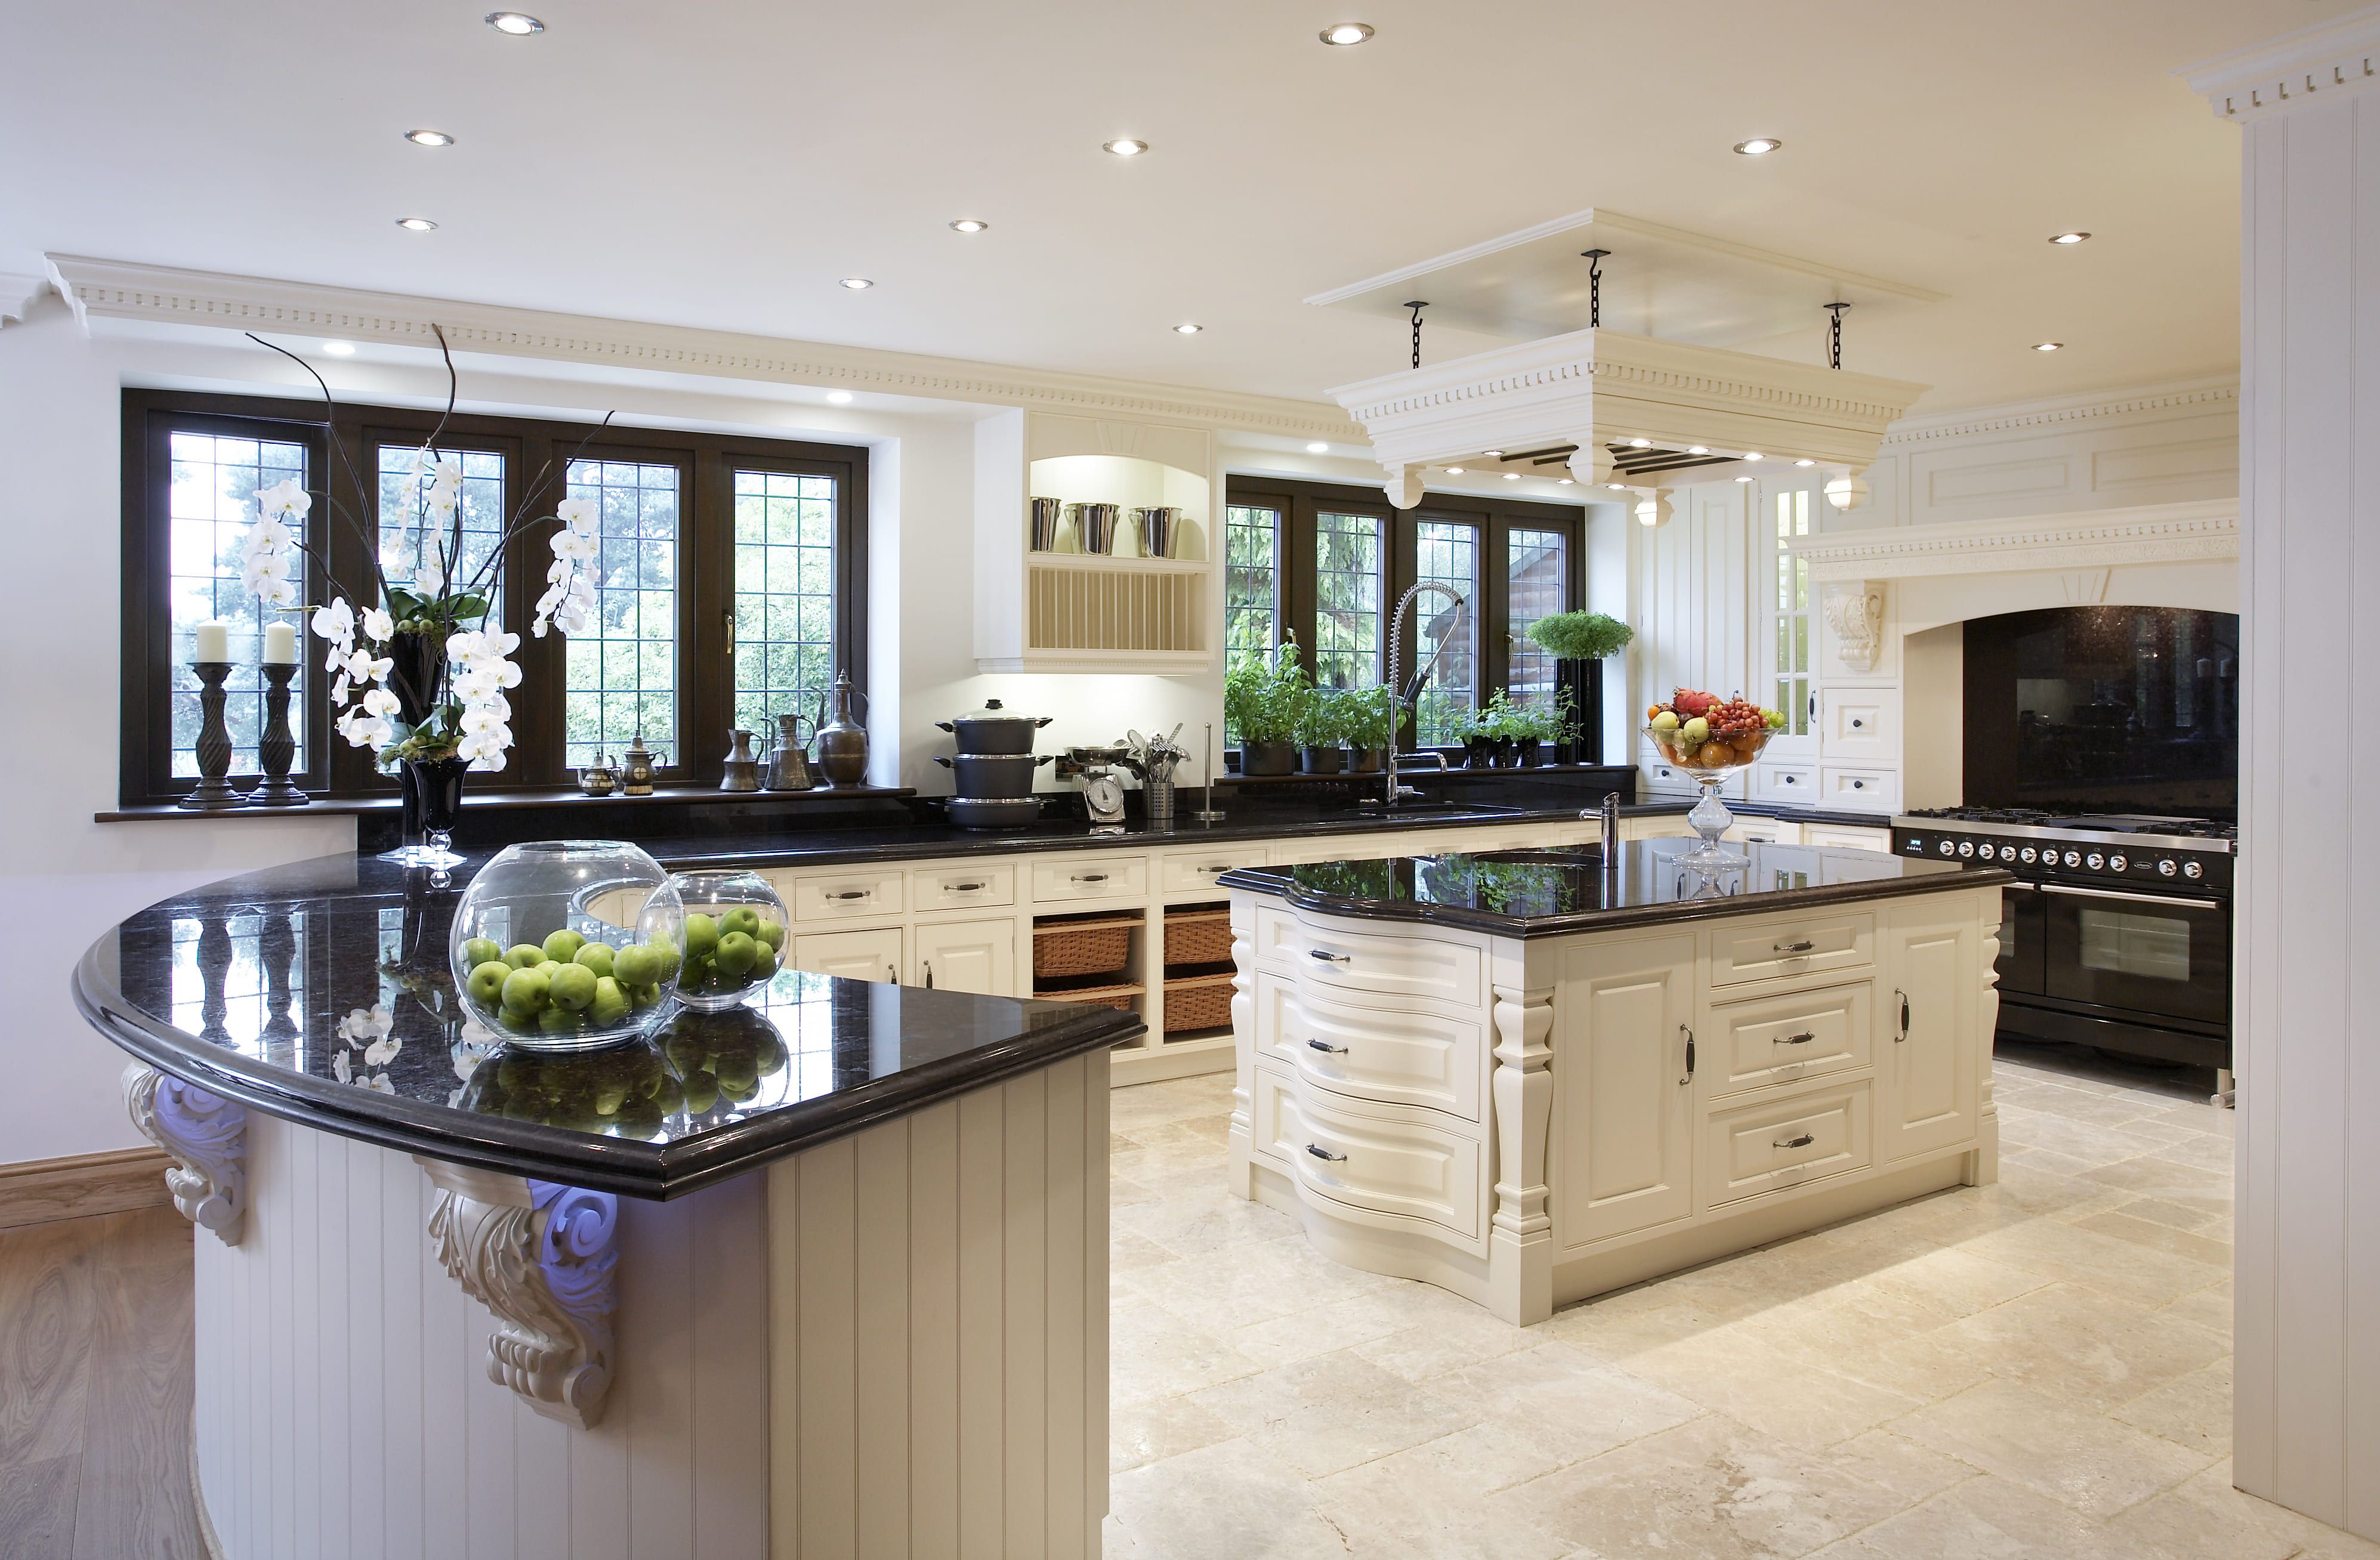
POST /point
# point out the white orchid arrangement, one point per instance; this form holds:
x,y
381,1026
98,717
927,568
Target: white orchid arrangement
x,y
427,648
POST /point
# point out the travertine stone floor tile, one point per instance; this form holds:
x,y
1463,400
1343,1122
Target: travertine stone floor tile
x,y
1710,1488
2123,1225
2149,1175
1563,1400
1958,1282
2178,1215
2084,1459
1357,1320
1322,1415
2201,1151
1747,1378
1191,1223
1987,1519
1899,1463
1444,1343
1870,1334
2098,1261
1153,1353
2209,1307
1425,1502
2089,1348
1155,1429
1238,1286
1230,1501
2194,1410
2079,1105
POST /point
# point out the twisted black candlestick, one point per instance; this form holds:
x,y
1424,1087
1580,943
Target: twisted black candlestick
x,y
213,791
277,748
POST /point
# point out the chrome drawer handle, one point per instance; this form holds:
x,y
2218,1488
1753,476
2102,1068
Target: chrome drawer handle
x,y
1803,947
1321,1153
1805,1141
853,894
1328,957
1802,1039
1334,1050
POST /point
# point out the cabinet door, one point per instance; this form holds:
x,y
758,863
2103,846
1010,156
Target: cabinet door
x,y
1932,1062
1624,1097
977,956
854,955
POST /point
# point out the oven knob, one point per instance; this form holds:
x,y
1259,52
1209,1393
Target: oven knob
x,y
2075,858
1946,848
2117,864
1966,847
2094,861
2191,869
2026,854
2165,868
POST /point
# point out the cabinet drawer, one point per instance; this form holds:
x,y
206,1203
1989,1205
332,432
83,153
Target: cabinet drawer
x,y
845,896
1370,969
1784,783
1780,1039
1403,1057
1846,836
1771,831
1859,723
1785,1142
1841,786
1084,879
1193,872
1790,945
962,888
1397,1168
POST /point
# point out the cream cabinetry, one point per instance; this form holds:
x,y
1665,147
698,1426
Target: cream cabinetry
x,y
864,955
1850,835
1648,1099
977,955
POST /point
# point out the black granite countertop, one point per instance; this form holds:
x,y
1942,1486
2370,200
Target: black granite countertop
x,y
1550,893
319,992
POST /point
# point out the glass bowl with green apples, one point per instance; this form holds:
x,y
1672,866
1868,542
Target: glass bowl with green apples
x,y
568,945
735,936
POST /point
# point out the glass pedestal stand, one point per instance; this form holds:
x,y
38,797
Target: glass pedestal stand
x,y
1711,819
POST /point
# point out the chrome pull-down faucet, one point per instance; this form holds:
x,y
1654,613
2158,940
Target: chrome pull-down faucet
x,y
1401,703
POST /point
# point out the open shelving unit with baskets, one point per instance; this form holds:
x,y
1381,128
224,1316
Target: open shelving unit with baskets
x,y
1092,958
1197,972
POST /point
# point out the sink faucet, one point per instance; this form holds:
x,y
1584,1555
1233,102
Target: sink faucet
x,y
1400,703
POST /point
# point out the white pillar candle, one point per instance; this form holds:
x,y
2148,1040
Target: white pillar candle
x,y
213,641
280,645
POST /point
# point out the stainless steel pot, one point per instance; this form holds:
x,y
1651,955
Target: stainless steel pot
x,y
1099,526
993,730
993,812
1157,527
995,774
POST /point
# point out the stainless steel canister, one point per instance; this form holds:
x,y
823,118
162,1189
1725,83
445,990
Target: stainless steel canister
x,y
1099,526
1046,514
1157,527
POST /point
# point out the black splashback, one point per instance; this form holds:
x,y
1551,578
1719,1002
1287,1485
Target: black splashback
x,y
2123,709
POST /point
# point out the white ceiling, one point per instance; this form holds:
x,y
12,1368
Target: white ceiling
x,y
723,165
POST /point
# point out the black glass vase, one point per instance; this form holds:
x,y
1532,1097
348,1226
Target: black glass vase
x,y
433,799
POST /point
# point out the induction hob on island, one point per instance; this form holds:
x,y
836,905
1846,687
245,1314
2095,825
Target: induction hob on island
x,y
2118,931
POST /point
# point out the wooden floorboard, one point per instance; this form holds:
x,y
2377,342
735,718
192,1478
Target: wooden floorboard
x,y
115,1182
95,1382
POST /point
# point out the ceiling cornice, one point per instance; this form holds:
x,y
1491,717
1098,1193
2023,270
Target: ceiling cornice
x,y
2329,59
18,292
2206,530
121,290
2065,410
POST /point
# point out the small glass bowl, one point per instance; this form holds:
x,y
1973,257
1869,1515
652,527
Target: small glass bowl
x,y
568,945
735,936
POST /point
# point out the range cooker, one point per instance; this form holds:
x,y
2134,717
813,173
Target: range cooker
x,y
2118,931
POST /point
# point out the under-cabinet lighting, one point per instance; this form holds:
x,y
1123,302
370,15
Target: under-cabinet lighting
x,y
1124,146
1317,448
1511,477
840,397
1640,443
416,224
1454,471
1759,146
1752,454
1186,328
1566,481
515,24
1346,34
340,348
1493,455
1698,449
1617,487
1744,479
1805,463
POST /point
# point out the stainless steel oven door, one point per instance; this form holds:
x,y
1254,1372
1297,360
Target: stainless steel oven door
x,y
2148,953
2022,924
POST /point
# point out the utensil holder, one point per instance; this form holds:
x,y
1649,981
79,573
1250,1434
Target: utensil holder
x,y
1156,798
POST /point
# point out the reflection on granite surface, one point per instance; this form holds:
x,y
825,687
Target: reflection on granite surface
x,y
1534,893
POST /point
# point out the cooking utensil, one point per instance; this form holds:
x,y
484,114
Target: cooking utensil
x,y
995,774
842,742
993,812
1046,515
1097,522
993,730
1158,524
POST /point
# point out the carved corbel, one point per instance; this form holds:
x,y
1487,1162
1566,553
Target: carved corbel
x,y
542,1258
206,1135
1404,485
1854,612
1521,1235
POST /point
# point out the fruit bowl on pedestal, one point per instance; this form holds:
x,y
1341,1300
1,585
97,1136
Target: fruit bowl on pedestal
x,y
1710,738
568,945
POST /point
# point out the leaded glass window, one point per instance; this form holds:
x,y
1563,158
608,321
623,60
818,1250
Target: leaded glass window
x,y
409,537
620,676
1251,578
1793,598
1537,585
785,596
1347,600
1445,554
212,503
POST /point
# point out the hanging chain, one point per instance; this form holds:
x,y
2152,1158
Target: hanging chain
x,y
1417,304
1593,258
1835,335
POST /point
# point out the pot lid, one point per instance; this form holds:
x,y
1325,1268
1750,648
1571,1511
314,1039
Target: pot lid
x,y
992,713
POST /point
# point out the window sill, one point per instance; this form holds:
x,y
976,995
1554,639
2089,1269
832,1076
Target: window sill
x,y
678,796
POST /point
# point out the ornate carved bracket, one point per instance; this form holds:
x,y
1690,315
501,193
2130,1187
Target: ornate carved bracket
x,y
1854,612
541,1257
206,1135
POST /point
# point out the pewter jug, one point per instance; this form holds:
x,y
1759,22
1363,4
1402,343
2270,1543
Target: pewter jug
x,y
789,766
739,770
842,742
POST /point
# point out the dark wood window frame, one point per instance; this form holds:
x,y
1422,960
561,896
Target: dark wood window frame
x,y
706,561
1298,502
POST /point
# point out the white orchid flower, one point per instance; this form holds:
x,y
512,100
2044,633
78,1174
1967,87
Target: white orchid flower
x,y
579,514
447,472
284,500
336,622
380,1053
379,627
267,535
380,702
429,578
364,1025
364,729
499,642
341,1068
575,546
380,1081
363,667
483,748
481,717
465,647
474,683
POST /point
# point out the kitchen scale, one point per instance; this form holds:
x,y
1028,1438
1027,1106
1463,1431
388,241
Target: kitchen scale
x,y
1102,793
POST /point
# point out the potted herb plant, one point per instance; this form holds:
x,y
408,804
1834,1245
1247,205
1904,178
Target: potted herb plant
x,y
1372,725
1491,730
1322,722
1263,696
1531,726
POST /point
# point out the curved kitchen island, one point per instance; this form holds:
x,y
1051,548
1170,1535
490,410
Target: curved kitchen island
x,y
822,1275
1529,1079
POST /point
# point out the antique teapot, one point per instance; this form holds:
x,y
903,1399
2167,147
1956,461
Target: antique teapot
x,y
636,769
599,779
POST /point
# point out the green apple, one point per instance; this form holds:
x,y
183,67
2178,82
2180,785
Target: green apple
x,y
487,982
702,1093
646,996
609,1098
526,991
636,964
557,1020
477,951
596,956
525,956
734,955
668,953
772,933
564,945
743,919
519,1023
609,1004
701,934
764,960
572,985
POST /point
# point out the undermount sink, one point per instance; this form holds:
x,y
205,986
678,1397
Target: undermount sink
x,y
1433,805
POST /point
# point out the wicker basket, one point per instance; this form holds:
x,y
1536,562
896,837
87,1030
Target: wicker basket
x,y
1083,947
1120,997
1198,1002
1198,937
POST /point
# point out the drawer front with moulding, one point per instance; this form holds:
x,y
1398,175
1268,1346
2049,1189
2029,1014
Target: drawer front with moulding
x,y
1768,831
1409,1057
1784,1039
963,887
1784,783
844,896
1782,1144
1847,836
1861,724
1085,879
1194,871
1369,970
1790,947
1872,789
1400,1169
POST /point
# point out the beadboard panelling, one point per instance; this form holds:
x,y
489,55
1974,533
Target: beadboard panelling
x,y
938,1305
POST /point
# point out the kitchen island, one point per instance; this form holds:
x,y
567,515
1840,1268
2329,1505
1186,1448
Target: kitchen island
x,y
821,1275
1528,1078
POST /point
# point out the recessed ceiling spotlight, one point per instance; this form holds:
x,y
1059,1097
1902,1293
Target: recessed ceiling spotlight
x,y
2048,345
1805,463
1566,481
416,224
1124,146
969,224
839,397
1744,479
1493,455
515,24
1186,328
1511,477
1698,449
857,283
1752,454
430,137
340,348
1317,448
1759,146
1454,471
1617,487
1640,443
2069,238
1346,34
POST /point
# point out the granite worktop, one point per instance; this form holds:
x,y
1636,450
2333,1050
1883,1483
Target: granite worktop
x,y
1554,892
319,992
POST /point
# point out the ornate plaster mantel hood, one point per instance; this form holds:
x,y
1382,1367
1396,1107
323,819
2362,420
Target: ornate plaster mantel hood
x,y
1597,388
2207,530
